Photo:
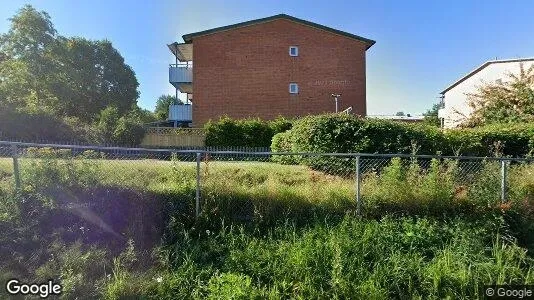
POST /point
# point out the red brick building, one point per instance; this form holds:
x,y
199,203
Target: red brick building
x,y
276,66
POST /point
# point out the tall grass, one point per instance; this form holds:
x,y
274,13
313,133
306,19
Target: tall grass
x,y
399,258
266,230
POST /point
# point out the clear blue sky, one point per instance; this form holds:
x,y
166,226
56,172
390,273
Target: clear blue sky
x,y
421,46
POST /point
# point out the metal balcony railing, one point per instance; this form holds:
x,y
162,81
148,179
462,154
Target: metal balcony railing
x,y
180,73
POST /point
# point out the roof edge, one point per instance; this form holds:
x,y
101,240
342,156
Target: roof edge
x,y
483,66
188,38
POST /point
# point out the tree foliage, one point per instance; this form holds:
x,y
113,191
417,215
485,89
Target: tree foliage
x,y
94,76
504,101
162,106
28,71
431,115
334,133
85,83
244,132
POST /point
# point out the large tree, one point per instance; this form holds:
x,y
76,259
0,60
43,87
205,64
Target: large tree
x,y
95,77
162,106
27,69
72,77
504,101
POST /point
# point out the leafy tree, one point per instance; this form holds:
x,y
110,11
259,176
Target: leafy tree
x,y
128,131
504,101
431,115
94,76
162,106
27,69
74,77
400,114
143,115
107,121
76,82
121,130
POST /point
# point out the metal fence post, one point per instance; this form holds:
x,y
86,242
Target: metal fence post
x,y
197,197
358,180
504,172
16,171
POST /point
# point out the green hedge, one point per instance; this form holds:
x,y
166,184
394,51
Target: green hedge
x,y
516,140
345,133
246,132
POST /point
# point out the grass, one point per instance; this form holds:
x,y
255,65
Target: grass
x,y
116,229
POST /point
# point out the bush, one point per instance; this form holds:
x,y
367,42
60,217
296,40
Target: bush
x,y
351,134
128,132
245,132
36,126
507,140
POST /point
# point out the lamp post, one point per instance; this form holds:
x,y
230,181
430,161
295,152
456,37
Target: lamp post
x,y
335,96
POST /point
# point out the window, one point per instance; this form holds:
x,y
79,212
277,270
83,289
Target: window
x,y
293,51
293,88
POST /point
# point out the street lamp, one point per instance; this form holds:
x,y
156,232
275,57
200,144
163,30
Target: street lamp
x,y
335,96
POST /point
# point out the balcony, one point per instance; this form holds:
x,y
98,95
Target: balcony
x,y
181,77
180,113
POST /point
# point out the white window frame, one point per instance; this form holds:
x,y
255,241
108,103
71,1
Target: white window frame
x,y
296,50
296,88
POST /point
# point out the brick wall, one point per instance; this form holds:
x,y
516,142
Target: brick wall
x,y
246,72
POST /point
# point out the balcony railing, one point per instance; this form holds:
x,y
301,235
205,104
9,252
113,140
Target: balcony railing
x,y
180,73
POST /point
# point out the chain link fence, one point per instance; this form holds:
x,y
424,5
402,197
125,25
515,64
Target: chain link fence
x,y
254,185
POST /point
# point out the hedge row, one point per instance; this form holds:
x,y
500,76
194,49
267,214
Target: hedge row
x,y
228,132
345,133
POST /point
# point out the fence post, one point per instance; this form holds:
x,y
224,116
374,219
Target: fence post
x,y
358,180
504,172
197,197
16,171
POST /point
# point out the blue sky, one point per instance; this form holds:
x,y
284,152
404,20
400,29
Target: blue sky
x,y
421,46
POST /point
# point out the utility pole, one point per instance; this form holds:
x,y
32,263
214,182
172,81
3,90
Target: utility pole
x,y
335,96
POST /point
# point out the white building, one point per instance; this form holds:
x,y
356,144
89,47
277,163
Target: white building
x,y
455,100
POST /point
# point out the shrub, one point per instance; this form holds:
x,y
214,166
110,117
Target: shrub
x,y
245,132
507,140
128,132
346,134
350,134
282,143
36,126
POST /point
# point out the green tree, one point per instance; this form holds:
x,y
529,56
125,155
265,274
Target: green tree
x,y
128,131
162,106
27,69
107,121
73,77
504,101
399,114
431,115
94,76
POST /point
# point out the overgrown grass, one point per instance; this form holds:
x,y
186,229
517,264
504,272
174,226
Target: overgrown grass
x,y
125,228
390,258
